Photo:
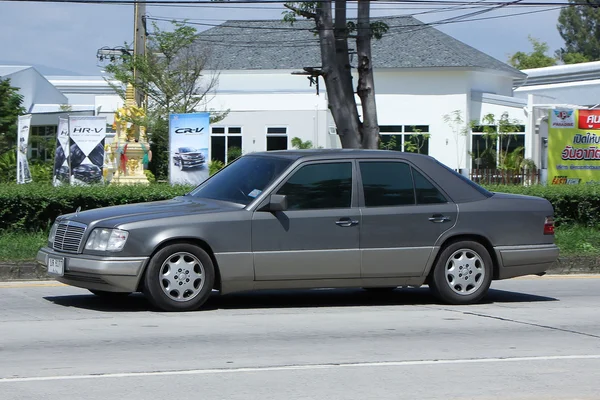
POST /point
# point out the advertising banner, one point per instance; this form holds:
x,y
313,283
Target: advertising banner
x,y
574,147
188,148
86,149
61,154
23,172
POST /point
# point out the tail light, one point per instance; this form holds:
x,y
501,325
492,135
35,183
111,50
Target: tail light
x,y
549,226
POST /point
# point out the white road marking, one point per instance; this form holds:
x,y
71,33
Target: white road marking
x,y
297,368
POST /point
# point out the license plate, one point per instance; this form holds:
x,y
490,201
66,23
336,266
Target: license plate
x,y
56,266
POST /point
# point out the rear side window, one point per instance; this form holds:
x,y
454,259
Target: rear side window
x,y
425,191
387,184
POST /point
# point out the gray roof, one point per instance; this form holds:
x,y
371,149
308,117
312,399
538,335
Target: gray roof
x,y
275,44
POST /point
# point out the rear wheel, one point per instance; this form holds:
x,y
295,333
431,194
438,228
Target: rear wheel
x,y
463,273
180,277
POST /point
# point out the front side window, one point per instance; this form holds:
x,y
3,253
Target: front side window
x,y
319,186
387,184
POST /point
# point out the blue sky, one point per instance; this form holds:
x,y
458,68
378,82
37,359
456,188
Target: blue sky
x,y
65,37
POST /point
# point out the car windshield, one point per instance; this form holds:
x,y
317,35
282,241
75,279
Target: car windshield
x,y
185,149
242,180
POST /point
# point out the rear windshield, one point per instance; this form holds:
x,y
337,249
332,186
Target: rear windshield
x,y
469,182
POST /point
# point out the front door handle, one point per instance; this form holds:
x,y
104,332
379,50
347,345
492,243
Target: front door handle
x,y
438,218
346,222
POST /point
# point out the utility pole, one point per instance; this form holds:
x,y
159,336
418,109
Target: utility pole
x,y
139,43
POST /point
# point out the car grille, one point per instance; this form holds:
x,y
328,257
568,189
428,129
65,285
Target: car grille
x,y
68,236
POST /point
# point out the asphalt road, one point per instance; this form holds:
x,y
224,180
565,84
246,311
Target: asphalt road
x,y
532,338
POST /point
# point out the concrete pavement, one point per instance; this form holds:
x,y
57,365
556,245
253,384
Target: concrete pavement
x,y
532,338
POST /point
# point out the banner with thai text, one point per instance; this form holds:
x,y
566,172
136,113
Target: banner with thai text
x,y
574,147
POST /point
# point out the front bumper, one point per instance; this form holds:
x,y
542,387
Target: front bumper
x,y
525,260
112,274
192,162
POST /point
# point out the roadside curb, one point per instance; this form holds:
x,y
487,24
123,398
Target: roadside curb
x,y
22,271
32,271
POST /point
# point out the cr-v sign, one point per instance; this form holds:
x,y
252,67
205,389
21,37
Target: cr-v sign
x,y
189,130
589,119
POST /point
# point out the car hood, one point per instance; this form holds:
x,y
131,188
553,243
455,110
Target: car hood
x,y
116,215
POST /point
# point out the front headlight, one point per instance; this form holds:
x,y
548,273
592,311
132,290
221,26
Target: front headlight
x,y
102,239
52,234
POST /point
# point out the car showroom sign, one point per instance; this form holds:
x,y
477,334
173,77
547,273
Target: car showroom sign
x,y
86,149
188,148
574,151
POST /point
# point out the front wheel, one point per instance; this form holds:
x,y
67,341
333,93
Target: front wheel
x,y
180,277
463,273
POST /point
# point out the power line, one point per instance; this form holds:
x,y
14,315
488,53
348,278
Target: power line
x,y
583,3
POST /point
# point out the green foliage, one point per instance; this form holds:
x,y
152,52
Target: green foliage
x,y
233,153
297,143
579,26
41,172
389,142
10,109
578,240
32,207
150,176
573,204
215,166
19,246
536,59
501,131
8,166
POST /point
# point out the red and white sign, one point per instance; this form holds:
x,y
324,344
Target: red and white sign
x,y
589,119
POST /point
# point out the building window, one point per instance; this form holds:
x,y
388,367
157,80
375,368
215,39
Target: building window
x,y
277,138
42,142
491,150
225,143
408,138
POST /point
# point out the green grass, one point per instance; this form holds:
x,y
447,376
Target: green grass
x,y
19,246
578,240
572,240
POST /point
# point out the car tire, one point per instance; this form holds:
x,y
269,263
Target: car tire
x,y
179,277
462,274
109,295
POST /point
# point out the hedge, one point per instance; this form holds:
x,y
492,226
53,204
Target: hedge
x,y
33,207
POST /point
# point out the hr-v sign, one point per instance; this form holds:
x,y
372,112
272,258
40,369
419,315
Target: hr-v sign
x,y
589,119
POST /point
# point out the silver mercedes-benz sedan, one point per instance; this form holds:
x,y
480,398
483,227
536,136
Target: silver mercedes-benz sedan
x,y
308,219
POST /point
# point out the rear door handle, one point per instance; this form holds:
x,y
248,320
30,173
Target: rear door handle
x,y
438,218
346,222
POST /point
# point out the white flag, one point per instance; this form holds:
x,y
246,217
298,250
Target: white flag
x,y
23,173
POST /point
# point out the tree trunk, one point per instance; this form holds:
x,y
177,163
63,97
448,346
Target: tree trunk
x,y
366,84
338,82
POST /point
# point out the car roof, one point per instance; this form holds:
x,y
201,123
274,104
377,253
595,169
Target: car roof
x,y
337,153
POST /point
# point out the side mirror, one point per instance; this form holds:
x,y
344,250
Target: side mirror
x,y
278,202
